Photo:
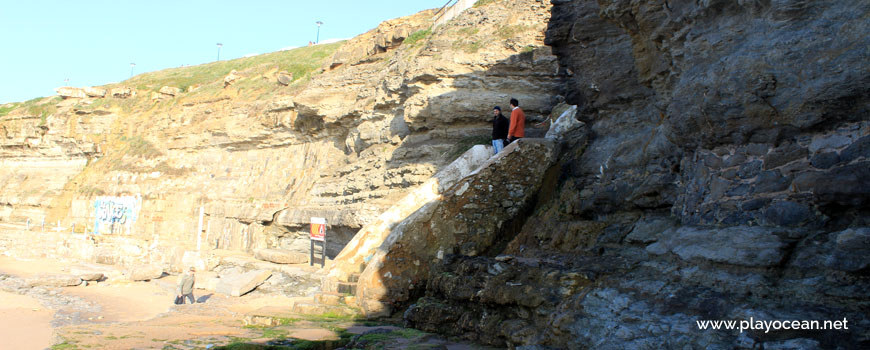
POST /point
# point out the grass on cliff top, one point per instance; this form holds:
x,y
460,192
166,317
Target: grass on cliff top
x,y
300,62
40,106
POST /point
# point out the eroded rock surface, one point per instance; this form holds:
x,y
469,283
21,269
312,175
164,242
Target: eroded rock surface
x,y
476,215
720,182
344,145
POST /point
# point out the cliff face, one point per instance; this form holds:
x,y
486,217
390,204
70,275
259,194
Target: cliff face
x,y
720,173
723,179
727,96
380,115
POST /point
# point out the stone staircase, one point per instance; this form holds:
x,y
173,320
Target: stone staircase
x,y
340,300
461,210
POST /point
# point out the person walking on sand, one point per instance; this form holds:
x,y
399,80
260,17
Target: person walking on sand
x,y
518,122
185,286
499,130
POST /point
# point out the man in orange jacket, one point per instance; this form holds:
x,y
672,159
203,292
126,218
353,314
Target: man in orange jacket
x,y
518,122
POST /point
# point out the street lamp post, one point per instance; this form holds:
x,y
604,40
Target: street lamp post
x,y
319,23
219,45
131,69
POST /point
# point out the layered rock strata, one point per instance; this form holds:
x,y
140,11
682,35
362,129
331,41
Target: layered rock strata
x,y
343,146
721,181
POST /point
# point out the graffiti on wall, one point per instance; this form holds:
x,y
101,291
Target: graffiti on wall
x,y
114,214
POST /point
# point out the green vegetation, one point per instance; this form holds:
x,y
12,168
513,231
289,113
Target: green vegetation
x,y
300,62
466,41
471,46
40,106
299,344
409,333
64,346
529,48
508,32
5,109
480,3
139,147
469,31
417,36
164,168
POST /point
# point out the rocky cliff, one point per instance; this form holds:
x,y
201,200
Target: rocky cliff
x,y
720,172
262,144
724,179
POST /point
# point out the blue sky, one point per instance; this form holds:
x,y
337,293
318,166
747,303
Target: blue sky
x,y
42,43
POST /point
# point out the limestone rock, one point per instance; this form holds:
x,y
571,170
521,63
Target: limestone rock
x,y
565,123
122,92
231,78
95,92
285,78
280,256
91,272
93,276
53,281
144,273
169,92
207,280
388,35
240,284
70,92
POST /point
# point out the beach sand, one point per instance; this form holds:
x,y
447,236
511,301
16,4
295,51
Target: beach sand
x,y
24,322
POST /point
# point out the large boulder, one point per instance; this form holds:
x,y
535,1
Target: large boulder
x,y
122,92
169,92
91,272
88,275
285,78
53,281
240,284
144,273
207,280
95,92
280,256
70,92
231,78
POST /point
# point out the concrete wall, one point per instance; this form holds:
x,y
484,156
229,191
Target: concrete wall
x,y
455,10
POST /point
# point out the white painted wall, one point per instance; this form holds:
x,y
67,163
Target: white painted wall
x,y
455,10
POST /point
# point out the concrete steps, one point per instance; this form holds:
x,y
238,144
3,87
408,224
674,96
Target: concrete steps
x,y
341,287
339,300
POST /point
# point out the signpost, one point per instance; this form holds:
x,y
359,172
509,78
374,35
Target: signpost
x,y
318,234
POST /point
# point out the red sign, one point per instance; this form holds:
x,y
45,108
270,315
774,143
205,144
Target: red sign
x,y
318,229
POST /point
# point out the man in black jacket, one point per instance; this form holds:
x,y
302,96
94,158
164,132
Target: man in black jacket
x,y
499,129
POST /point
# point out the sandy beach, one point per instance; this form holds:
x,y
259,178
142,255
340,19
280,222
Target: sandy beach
x,y
116,313
113,314
24,322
